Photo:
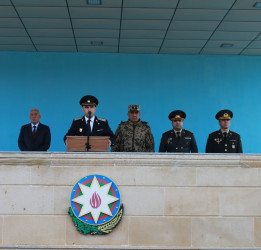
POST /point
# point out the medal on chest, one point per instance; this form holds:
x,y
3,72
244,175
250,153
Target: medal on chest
x,y
169,141
218,140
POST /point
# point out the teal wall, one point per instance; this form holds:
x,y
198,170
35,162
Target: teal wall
x,y
198,84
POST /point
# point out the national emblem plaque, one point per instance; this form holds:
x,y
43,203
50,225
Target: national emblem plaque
x,y
95,205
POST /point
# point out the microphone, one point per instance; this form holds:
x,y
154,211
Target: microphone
x,y
88,146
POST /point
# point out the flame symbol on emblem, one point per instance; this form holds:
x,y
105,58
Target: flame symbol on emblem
x,y
95,201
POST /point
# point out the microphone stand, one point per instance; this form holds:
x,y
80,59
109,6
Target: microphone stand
x,y
88,146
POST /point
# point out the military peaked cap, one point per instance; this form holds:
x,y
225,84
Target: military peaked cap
x,y
224,114
177,115
89,100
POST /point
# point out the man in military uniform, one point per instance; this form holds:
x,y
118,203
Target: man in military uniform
x,y
90,124
133,135
178,139
224,140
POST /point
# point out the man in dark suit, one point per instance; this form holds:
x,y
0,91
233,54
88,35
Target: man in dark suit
x,y
224,140
178,139
90,124
34,136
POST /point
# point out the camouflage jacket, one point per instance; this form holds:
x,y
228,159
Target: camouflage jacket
x,y
133,137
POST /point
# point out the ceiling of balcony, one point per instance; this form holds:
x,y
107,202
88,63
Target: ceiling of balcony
x,y
132,26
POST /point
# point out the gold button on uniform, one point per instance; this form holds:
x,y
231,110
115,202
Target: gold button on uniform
x,y
225,145
226,150
177,148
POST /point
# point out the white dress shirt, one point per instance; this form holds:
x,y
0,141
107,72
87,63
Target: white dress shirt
x,y
91,121
36,126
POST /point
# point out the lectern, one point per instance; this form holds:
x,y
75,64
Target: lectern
x,y
78,143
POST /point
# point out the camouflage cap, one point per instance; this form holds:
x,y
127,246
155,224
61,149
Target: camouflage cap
x,y
134,107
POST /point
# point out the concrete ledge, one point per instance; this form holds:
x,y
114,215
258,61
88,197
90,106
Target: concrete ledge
x,y
83,247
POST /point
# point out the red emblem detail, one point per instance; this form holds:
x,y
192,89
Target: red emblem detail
x,y
95,201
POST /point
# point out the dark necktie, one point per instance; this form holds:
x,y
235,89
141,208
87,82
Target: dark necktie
x,y
89,126
34,131
178,135
225,136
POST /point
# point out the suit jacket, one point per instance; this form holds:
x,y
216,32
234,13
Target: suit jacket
x,y
100,128
41,141
218,144
186,143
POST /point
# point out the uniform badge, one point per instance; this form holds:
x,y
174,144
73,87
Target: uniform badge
x,y
233,146
95,205
218,140
80,130
169,141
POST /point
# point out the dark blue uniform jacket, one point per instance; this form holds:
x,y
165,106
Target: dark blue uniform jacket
x,y
185,144
100,128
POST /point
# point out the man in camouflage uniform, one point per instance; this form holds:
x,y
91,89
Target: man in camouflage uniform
x,y
133,135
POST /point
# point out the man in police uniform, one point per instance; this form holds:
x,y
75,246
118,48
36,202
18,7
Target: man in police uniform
x,y
94,126
224,140
178,139
133,135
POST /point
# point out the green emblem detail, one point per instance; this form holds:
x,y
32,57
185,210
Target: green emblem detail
x,y
100,229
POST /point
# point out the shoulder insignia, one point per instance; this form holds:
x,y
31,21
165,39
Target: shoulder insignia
x,y
145,124
231,133
101,119
76,119
188,132
168,132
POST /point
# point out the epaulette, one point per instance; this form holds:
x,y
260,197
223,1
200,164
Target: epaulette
x,y
145,123
101,119
76,119
122,123
168,132
187,131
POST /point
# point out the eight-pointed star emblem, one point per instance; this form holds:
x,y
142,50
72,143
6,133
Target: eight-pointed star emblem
x,y
95,199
